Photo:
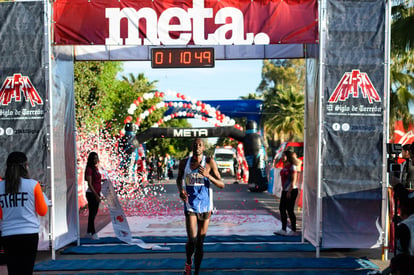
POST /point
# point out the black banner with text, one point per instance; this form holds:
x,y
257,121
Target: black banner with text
x,y
23,95
353,110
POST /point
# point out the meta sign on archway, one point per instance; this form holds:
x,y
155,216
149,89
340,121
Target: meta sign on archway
x,y
345,97
197,22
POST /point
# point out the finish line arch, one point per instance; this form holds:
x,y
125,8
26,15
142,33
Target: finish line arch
x,y
346,92
217,110
190,133
253,146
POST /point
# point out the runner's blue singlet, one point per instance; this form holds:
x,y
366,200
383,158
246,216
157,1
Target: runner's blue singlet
x,y
200,194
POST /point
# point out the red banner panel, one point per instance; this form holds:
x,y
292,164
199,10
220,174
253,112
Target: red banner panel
x,y
196,22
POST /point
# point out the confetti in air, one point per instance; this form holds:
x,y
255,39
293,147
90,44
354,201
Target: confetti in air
x,y
137,196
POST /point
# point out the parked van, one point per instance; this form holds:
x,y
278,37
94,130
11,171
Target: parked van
x,y
225,158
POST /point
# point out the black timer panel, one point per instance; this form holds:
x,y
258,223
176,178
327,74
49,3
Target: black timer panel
x,y
182,58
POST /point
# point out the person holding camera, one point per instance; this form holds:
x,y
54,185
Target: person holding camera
x,y
402,262
404,198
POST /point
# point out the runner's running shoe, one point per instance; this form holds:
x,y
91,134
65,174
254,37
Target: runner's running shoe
x,y
187,269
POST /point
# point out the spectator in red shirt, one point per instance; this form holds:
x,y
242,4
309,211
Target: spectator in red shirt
x,y
93,193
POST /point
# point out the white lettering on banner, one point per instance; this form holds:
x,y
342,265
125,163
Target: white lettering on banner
x,y
159,32
190,133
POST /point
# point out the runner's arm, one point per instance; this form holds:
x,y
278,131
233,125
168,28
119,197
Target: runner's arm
x,y
213,174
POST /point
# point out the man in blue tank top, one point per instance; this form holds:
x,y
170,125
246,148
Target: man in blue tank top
x,y
196,175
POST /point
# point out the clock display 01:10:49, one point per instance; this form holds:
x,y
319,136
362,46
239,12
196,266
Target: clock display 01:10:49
x,y
182,58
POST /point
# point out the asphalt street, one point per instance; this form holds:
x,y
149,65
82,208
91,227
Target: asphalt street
x,y
233,199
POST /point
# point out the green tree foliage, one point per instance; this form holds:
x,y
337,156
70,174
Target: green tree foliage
x,y
283,73
95,91
131,88
284,114
103,100
401,73
402,36
282,88
402,81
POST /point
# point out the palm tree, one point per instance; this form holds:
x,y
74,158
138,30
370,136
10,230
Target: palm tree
x,y
133,87
251,96
282,90
284,113
139,83
401,73
402,81
402,37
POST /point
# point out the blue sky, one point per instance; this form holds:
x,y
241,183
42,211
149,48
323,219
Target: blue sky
x,y
229,79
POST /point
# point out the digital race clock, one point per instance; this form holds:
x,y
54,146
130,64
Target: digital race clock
x,y
182,58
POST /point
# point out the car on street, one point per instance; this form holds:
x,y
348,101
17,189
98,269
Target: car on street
x,y
225,158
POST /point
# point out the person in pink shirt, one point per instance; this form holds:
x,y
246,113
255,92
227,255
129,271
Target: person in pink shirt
x,y
93,193
289,177
21,202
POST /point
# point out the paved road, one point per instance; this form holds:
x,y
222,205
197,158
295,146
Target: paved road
x,y
233,199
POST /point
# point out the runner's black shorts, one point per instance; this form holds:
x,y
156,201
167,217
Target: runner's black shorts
x,y
200,216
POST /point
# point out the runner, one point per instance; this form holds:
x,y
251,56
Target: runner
x,y
196,192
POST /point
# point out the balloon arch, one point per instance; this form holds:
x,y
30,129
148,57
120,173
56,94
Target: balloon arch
x,y
196,109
